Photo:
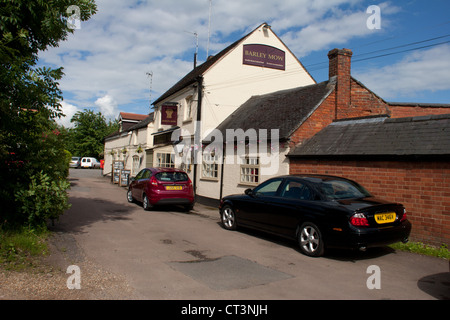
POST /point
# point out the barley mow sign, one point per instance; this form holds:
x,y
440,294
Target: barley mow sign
x,y
264,56
169,114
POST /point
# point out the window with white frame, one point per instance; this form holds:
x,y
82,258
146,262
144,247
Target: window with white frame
x,y
165,160
250,170
188,107
134,136
136,165
210,166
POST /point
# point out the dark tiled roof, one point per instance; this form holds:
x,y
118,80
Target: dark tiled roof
x,y
112,135
143,123
285,110
139,125
412,136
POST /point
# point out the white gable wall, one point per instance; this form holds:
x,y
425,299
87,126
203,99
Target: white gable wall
x,y
226,86
135,144
230,83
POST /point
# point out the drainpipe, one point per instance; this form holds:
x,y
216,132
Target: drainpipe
x,y
221,172
197,134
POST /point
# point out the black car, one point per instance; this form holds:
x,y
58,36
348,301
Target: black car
x,y
319,212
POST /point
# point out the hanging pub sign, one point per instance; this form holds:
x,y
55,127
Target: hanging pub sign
x,y
264,56
169,114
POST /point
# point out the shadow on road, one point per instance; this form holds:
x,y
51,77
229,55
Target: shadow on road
x,y
86,211
331,253
436,285
73,182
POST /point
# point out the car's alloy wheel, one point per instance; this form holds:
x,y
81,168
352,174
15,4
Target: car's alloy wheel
x,y
145,203
130,196
228,218
310,240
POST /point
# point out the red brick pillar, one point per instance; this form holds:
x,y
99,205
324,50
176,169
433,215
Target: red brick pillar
x,y
340,66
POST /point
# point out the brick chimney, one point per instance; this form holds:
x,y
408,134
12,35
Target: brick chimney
x,y
340,66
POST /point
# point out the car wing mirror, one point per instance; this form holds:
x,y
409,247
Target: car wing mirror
x,y
249,192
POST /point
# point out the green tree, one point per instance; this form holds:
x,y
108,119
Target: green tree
x,y
86,138
30,148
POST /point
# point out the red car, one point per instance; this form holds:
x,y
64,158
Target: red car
x,y
161,186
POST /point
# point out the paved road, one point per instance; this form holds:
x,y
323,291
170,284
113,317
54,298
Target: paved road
x,y
168,254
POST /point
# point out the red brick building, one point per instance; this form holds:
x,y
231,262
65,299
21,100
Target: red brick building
x,y
396,150
350,99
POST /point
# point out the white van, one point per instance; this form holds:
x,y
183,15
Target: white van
x,y
88,162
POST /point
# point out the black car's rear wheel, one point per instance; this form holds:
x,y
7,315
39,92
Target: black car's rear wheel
x,y
228,218
310,240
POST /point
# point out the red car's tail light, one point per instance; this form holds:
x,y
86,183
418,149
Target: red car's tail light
x,y
359,220
153,181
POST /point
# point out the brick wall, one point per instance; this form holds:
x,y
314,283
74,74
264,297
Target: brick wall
x,y
322,117
364,103
422,187
339,66
414,111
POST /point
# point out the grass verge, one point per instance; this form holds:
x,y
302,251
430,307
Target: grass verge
x,y
19,248
421,248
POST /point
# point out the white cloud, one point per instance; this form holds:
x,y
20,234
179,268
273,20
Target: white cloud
x,y
107,106
333,26
112,52
68,110
425,70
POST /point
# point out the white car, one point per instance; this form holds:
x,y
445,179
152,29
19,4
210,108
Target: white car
x,y
88,162
75,162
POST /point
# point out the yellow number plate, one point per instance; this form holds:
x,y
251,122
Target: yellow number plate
x,y
174,188
385,217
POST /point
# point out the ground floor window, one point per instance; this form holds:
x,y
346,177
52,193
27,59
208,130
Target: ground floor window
x,y
165,160
210,166
136,164
250,170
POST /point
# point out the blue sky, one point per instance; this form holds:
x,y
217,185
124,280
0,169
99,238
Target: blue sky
x,y
106,61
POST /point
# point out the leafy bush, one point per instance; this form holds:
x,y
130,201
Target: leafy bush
x,y
44,199
31,148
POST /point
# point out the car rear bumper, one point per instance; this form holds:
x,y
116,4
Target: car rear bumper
x,y
363,238
172,201
163,197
